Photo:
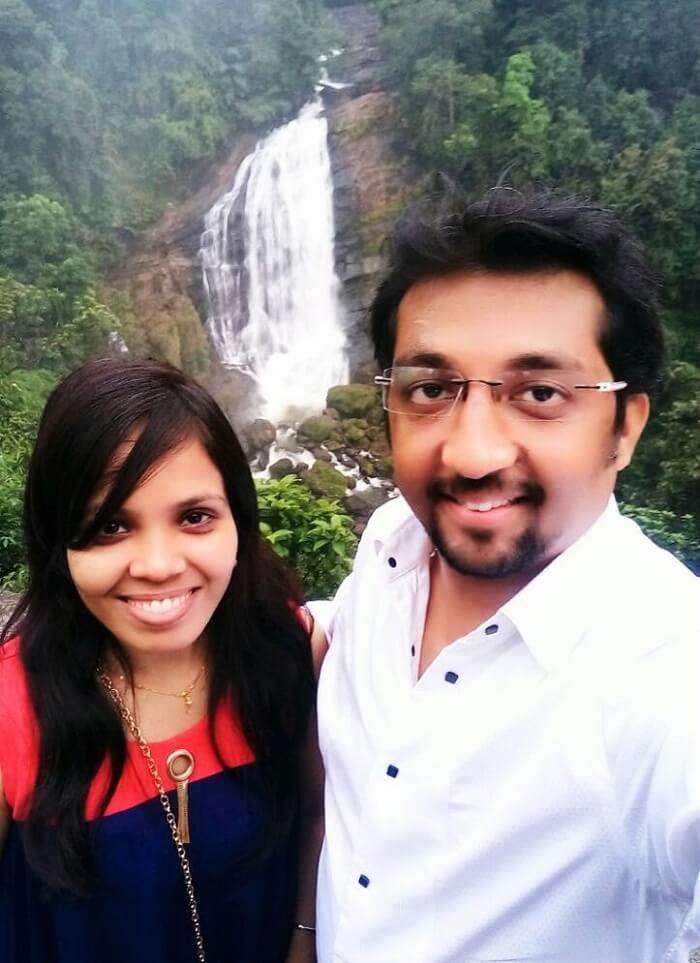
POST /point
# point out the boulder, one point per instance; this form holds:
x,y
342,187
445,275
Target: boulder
x,y
362,504
282,467
352,401
325,481
355,430
384,467
318,428
346,460
260,434
366,466
321,454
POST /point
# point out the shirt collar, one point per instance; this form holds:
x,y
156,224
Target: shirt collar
x,y
549,613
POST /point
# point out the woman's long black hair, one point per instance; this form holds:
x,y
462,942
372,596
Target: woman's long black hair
x,y
258,651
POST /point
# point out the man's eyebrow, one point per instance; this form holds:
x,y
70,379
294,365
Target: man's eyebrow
x,y
421,359
543,362
531,361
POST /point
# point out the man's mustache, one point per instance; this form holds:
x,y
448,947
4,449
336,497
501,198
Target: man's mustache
x,y
524,490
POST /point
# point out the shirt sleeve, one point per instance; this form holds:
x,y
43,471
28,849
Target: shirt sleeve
x,y
325,611
674,831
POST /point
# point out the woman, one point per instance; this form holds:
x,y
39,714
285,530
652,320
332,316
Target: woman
x,y
155,694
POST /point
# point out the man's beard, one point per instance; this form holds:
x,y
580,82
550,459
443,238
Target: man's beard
x,y
526,553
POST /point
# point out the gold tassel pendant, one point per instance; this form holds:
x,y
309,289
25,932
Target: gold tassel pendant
x,y
180,767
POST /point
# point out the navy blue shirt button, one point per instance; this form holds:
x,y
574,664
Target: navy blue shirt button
x,y
363,881
490,629
451,677
392,771
392,562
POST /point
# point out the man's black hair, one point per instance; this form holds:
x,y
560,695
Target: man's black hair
x,y
508,231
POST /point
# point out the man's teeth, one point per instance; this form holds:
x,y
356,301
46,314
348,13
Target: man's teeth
x,y
486,506
159,605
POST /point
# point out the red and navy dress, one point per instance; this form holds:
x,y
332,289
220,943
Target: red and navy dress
x,y
139,913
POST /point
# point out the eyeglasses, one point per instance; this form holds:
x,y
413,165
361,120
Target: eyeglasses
x,y
432,392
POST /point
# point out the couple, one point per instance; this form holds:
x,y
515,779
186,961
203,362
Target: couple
x,y
509,705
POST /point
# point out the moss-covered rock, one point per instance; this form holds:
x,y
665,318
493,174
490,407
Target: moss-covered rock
x,y
355,430
352,401
384,467
325,481
318,428
282,467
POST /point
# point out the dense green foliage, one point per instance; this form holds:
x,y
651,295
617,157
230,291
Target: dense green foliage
x,y
106,111
314,534
598,97
104,104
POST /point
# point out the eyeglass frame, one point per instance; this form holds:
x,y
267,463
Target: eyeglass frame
x,y
385,379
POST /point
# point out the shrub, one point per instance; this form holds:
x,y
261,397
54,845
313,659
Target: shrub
x,y
672,532
313,534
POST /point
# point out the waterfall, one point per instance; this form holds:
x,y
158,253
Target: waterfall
x,y
268,268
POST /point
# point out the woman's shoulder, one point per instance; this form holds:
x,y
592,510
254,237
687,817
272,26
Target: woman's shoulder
x,y
18,731
13,685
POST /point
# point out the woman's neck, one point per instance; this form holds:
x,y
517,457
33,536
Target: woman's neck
x,y
162,670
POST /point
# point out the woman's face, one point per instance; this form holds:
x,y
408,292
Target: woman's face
x,y
156,572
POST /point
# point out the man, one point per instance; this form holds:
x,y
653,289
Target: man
x,y
509,706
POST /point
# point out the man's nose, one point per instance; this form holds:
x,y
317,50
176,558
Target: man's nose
x,y
157,558
479,439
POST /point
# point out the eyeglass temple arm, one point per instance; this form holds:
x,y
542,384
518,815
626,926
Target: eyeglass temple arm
x,y
605,386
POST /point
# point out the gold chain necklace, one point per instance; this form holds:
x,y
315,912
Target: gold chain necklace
x,y
135,731
184,694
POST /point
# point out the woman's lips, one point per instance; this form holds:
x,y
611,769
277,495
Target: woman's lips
x,y
161,611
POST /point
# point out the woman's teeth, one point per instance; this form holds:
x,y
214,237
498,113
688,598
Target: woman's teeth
x,y
159,605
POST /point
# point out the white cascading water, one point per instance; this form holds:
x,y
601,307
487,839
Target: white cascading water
x,y
268,266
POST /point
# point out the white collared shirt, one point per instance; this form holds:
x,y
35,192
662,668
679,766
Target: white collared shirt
x,y
535,795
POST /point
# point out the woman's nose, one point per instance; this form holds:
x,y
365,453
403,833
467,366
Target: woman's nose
x,y
157,559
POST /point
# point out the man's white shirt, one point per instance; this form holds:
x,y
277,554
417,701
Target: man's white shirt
x,y
535,795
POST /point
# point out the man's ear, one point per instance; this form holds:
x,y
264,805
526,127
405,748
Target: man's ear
x,y
636,416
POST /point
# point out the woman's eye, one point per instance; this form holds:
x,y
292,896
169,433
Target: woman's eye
x,y
111,528
197,517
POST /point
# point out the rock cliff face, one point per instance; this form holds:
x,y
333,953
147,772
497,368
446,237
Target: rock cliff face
x,y
371,175
162,273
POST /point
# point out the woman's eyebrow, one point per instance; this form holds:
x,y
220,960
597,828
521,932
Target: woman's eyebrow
x,y
198,499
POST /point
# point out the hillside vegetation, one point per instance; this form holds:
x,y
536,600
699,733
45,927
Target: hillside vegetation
x,y
597,97
109,110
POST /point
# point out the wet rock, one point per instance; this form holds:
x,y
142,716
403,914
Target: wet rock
x,y
355,430
317,428
260,434
263,459
384,467
362,504
366,466
282,467
346,461
331,413
322,454
325,481
352,401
